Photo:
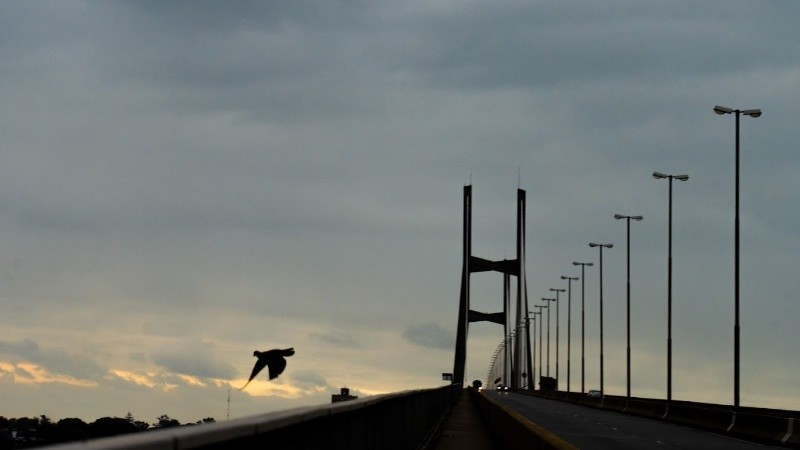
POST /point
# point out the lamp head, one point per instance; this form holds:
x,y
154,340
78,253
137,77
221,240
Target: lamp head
x,y
659,175
722,110
619,216
637,217
752,112
681,177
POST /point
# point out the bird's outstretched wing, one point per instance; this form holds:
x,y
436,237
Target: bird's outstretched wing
x,y
276,365
277,362
260,363
274,359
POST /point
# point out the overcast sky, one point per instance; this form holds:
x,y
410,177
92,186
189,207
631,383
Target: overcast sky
x,y
182,183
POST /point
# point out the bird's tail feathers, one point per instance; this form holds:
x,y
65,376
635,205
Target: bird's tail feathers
x,y
287,352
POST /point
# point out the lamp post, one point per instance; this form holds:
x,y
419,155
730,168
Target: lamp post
x,y
569,324
752,113
558,320
532,376
548,300
522,368
601,246
583,321
541,327
659,175
628,300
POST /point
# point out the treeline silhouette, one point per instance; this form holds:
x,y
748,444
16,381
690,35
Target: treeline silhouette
x,y
29,432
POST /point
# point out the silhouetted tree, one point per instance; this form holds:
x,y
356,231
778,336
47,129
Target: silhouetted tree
x,y
37,431
27,427
47,431
71,429
5,433
138,424
165,421
110,426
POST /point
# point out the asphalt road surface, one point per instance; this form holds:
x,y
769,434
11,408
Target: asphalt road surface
x,y
590,428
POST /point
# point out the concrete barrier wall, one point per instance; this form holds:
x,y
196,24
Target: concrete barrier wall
x,y
651,409
771,426
760,427
709,419
393,421
792,438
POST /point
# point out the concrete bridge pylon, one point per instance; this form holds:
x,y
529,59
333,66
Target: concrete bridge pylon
x,y
517,366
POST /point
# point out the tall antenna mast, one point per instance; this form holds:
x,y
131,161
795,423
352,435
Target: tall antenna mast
x,y
229,404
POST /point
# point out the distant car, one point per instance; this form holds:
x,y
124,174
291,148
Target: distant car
x,y
594,393
502,388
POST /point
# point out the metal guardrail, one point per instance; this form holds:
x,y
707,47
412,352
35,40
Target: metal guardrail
x,y
392,421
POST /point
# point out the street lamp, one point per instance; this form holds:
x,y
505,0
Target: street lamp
x,y
522,369
541,326
558,320
569,323
583,321
548,300
628,302
659,175
528,374
752,113
601,246
532,376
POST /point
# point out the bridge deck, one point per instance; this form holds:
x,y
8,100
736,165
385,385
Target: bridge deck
x,y
465,428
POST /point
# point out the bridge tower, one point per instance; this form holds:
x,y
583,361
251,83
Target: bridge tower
x,y
519,362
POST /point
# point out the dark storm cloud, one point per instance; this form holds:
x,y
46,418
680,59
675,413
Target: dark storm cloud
x,y
477,44
309,379
193,358
533,44
429,335
54,359
344,340
269,60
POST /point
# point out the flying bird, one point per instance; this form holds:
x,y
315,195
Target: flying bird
x,y
272,358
